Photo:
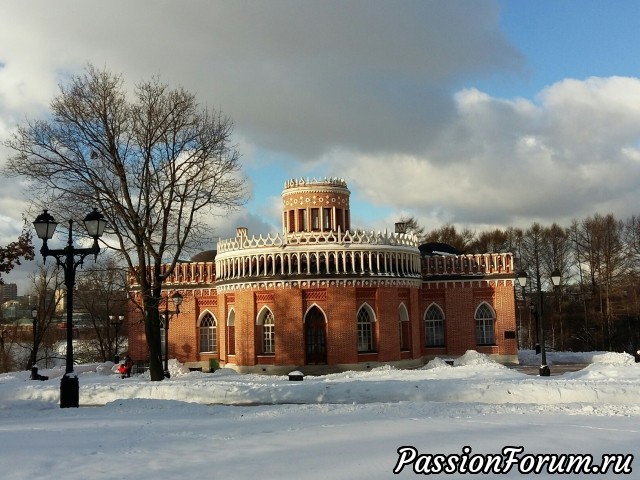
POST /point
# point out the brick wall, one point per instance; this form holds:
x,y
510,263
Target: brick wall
x,y
340,304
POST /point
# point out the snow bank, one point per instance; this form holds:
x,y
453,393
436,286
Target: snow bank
x,y
529,357
612,379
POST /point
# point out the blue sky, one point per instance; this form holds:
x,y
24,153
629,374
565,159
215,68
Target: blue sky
x,y
564,38
479,113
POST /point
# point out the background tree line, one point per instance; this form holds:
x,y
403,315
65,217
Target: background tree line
x,y
597,305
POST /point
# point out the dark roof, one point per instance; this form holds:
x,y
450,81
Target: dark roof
x,y
438,248
206,256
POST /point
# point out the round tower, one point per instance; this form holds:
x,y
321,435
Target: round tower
x,y
315,206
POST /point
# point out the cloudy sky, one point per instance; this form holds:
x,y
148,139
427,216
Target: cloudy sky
x,y
478,113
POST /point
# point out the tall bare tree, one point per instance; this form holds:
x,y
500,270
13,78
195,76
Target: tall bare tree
x,y
46,283
410,225
494,241
601,248
557,257
632,242
449,235
631,293
532,261
154,162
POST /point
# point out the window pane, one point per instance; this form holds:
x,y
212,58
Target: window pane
x,y
302,220
434,331
208,333
485,329
405,336
365,331
326,218
231,333
268,334
434,327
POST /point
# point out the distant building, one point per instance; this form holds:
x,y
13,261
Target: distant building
x,y
9,291
320,297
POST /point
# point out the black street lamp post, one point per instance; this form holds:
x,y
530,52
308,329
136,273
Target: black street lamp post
x,y
537,312
176,298
45,226
522,280
116,324
34,317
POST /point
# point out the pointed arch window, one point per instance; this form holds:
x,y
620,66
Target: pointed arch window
x,y
208,331
315,332
485,325
366,330
434,327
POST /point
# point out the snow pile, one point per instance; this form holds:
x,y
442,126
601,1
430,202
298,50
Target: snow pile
x,y
473,358
613,358
436,363
177,369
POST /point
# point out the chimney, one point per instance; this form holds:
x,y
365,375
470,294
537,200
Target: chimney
x,y
401,227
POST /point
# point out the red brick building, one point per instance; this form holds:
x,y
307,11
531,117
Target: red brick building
x,y
320,297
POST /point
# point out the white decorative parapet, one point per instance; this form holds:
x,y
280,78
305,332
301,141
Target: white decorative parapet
x,y
479,264
319,253
242,242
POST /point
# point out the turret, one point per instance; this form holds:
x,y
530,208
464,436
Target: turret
x,y
315,206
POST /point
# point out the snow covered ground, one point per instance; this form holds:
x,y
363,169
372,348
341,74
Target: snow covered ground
x,y
352,425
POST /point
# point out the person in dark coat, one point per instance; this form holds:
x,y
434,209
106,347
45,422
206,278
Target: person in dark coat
x,y
128,365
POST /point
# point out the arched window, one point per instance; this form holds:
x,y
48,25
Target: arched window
x,y
485,325
266,332
405,336
434,327
231,332
208,332
366,331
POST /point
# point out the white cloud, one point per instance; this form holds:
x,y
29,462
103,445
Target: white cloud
x,y
300,77
504,162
